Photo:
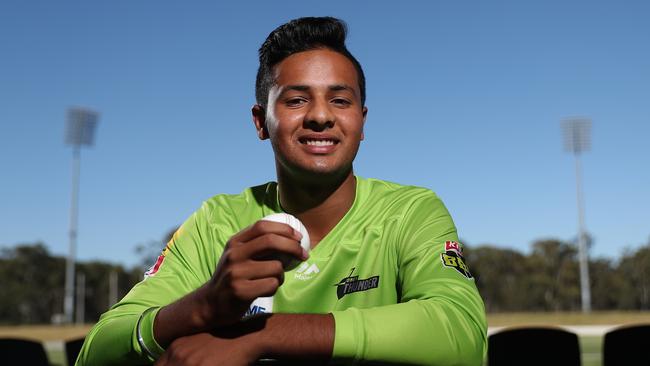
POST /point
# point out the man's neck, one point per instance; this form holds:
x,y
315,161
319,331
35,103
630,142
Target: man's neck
x,y
318,205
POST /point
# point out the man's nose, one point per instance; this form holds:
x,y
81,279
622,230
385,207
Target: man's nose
x,y
319,116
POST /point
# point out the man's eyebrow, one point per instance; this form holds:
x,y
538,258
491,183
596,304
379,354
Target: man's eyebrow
x,y
339,87
334,87
296,88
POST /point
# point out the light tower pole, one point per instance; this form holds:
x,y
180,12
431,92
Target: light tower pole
x,y
80,129
577,138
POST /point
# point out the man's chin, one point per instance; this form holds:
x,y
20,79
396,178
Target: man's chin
x,y
320,172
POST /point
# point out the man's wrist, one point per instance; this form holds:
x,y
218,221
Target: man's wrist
x,y
259,343
202,317
262,339
189,315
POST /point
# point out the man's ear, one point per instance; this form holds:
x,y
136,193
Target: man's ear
x,y
259,119
365,113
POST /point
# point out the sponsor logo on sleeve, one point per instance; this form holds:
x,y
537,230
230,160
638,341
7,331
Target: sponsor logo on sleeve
x,y
453,258
156,266
351,284
159,261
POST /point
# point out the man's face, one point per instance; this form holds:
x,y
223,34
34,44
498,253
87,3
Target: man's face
x,y
314,116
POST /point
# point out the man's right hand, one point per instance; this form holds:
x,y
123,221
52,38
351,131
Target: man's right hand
x,y
251,266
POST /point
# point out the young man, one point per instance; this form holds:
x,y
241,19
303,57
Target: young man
x,y
384,281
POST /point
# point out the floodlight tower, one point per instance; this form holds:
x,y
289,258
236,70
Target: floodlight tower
x,y
80,129
577,138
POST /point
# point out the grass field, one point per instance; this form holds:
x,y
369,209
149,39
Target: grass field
x,y
54,336
567,318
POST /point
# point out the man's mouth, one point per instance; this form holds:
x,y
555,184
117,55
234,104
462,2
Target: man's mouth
x,y
318,142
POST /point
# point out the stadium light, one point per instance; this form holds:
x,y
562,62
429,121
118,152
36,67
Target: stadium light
x,y
577,139
80,130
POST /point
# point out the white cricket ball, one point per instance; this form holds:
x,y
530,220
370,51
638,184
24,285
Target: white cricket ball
x,y
292,221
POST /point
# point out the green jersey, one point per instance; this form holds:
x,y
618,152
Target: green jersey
x,y
391,272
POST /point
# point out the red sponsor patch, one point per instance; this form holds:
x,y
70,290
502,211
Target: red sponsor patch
x,y
453,246
154,269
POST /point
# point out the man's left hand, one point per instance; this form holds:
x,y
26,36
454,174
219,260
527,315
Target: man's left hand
x,y
210,349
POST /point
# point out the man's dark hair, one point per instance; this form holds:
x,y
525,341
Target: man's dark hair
x,y
299,35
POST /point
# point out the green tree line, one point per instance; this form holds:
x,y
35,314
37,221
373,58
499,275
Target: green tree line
x,y
547,279
33,280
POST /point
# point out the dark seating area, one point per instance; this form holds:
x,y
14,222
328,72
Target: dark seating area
x,y
629,345
15,351
533,346
72,349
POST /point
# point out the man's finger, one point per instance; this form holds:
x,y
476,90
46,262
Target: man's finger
x,y
262,227
262,287
254,270
270,245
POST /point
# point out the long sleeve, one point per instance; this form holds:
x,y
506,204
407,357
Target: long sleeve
x,y
440,317
183,266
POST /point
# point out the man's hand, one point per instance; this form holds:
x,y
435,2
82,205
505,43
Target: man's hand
x,y
208,349
251,266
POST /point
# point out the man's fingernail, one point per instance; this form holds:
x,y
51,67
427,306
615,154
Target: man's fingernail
x,y
305,254
297,234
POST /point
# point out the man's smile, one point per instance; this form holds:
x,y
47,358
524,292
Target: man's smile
x,y
319,143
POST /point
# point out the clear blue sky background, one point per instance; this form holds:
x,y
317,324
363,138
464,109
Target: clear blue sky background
x,y
465,98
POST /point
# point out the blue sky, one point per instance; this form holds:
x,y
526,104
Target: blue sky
x,y
465,98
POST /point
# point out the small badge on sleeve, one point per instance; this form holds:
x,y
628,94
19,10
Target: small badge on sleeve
x,y
453,258
161,258
156,266
454,247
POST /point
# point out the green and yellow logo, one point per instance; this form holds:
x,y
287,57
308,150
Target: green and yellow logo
x,y
454,260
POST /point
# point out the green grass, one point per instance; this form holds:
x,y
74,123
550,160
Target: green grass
x,y
590,346
56,357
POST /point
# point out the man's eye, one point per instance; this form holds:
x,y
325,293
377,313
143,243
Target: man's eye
x,y
341,101
294,102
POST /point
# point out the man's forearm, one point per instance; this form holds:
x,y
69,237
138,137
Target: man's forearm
x,y
181,318
282,336
287,337
295,336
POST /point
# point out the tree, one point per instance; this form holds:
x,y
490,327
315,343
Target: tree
x,y
554,276
501,277
32,287
608,287
635,270
97,274
33,279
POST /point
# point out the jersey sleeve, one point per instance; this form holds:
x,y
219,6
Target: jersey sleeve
x,y
185,264
440,317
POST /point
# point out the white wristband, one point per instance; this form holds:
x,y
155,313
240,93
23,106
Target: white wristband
x,y
144,347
